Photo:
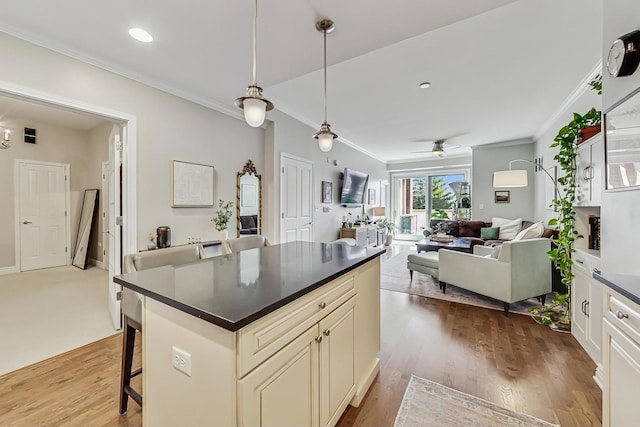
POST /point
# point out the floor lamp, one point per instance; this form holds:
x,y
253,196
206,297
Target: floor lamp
x,y
518,177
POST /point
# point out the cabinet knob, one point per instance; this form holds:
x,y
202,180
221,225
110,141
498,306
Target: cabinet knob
x,y
621,315
326,332
322,305
319,339
596,270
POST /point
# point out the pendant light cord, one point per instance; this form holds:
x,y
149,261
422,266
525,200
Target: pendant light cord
x,y
324,32
255,20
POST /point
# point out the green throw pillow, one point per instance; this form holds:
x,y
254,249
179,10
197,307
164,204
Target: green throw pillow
x,y
489,233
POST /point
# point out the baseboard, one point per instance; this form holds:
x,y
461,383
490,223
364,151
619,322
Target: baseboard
x,y
99,264
364,388
599,375
8,270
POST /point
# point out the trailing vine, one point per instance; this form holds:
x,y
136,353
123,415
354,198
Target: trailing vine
x,y
558,313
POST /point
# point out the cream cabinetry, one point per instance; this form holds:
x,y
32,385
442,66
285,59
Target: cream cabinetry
x,y
589,172
586,305
621,361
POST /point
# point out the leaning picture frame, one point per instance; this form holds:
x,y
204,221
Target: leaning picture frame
x,y
621,129
327,191
191,185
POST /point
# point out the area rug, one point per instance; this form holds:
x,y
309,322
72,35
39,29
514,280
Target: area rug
x,y
426,403
394,276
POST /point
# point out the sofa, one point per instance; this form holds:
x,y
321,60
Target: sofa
x,y
472,229
248,224
520,270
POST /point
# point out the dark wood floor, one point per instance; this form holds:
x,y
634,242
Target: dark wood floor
x,y
511,361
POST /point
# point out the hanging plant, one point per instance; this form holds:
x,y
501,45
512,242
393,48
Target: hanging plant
x,y
558,314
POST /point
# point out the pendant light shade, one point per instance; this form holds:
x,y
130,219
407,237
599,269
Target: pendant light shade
x,y
324,136
255,106
438,147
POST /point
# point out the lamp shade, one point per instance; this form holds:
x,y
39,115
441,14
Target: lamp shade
x,y
325,141
254,111
378,211
510,178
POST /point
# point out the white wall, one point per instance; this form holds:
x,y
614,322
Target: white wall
x,y
168,127
620,226
496,157
290,136
54,144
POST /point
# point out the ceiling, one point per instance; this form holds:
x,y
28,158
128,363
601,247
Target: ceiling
x,y
499,68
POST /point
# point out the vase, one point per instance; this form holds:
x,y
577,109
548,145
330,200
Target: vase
x,y
223,235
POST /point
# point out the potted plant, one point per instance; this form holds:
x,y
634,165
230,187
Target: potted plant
x,y
221,219
558,314
390,227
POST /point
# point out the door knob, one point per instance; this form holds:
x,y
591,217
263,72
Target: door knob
x,y
26,222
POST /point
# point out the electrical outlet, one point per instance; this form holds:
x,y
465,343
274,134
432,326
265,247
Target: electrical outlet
x,y
181,360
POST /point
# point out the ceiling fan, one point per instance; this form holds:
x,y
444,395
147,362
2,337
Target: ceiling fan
x,y
440,147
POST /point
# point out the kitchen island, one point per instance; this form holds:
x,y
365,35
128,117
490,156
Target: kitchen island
x,y
285,335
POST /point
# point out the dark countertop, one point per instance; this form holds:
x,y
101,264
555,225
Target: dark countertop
x,y
624,284
234,290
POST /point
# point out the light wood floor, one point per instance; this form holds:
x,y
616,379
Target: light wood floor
x,y
511,361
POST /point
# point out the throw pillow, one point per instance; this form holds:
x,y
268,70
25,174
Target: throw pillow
x,y
489,233
532,232
509,228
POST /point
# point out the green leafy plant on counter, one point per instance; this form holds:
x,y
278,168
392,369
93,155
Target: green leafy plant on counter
x,y
223,215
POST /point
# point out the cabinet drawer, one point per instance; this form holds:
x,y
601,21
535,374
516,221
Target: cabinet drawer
x,y
264,337
624,314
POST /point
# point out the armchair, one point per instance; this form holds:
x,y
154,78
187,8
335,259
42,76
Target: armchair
x,y
521,270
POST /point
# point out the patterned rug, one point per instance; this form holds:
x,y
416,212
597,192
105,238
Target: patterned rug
x,y
426,403
395,277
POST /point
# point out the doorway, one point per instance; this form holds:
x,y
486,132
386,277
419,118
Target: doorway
x,y
296,190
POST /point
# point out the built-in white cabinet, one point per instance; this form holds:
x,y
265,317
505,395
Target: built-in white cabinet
x,y
621,360
364,236
586,306
589,170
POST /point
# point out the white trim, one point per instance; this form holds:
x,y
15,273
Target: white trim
x,y
8,270
580,90
16,206
97,263
129,209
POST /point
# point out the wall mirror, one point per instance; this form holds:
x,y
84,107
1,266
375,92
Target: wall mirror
x,y
249,201
89,205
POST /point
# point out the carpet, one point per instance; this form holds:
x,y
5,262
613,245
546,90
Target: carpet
x,y
426,403
394,276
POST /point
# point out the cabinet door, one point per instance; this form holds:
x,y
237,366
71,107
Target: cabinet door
x,y
583,177
283,391
337,372
579,299
595,315
597,169
622,376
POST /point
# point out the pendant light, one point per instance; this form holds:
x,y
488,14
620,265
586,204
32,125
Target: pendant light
x,y
324,136
438,147
253,103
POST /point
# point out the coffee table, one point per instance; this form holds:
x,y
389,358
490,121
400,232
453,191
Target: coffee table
x,y
461,244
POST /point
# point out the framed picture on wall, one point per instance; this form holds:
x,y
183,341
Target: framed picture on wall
x,y
372,197
502,196
191,185
327,192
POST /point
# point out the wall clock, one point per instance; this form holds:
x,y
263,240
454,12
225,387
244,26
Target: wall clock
x,y
624,55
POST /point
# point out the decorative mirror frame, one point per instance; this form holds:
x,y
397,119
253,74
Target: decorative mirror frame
x,y
249,168
87,217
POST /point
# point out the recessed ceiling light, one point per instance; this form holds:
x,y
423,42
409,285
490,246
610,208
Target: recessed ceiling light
x,y
140,35
424,85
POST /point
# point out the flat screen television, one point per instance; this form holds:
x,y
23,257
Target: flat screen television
x,y
354,187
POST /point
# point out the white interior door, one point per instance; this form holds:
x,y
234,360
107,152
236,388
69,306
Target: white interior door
x,y
114,218
296,195
43,215
104,203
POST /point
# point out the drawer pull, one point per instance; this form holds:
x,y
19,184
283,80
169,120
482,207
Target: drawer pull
x,y
327,332
621,315
322,305
579,261
596,270
319,339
